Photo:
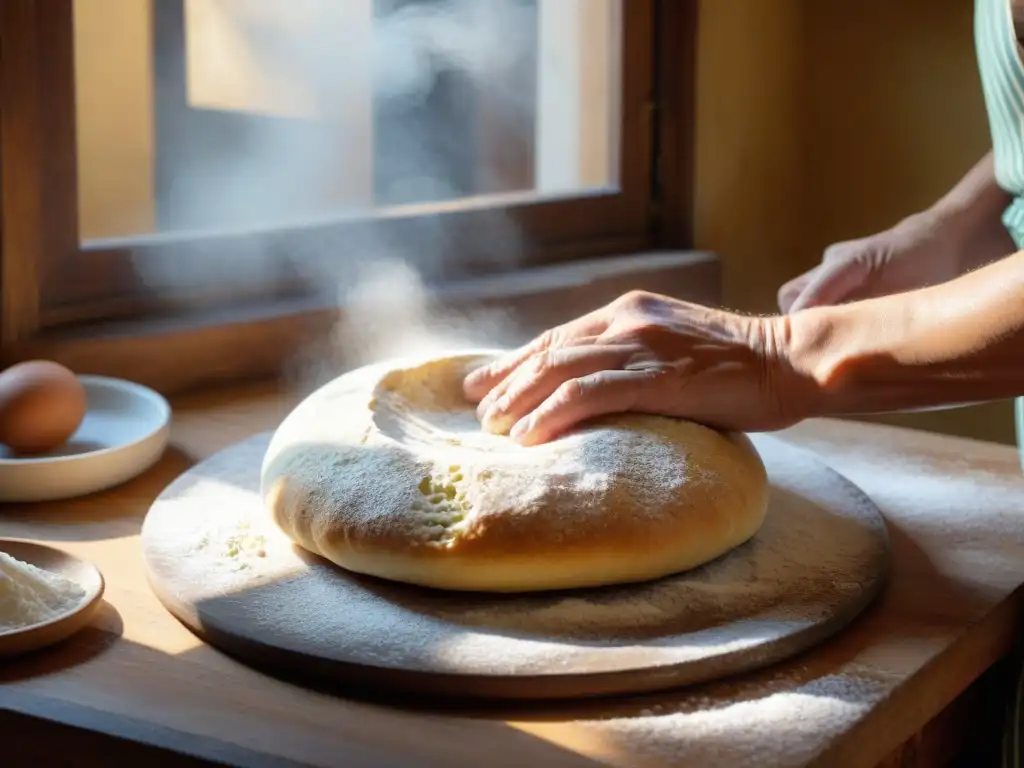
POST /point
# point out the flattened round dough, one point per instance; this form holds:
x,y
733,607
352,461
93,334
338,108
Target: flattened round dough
x,y
386,471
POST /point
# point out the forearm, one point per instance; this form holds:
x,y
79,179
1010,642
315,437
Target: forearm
x,y
957,342
971,214
976,196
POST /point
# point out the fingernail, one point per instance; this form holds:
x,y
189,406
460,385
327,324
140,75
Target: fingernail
x,y
483,407
497,422
521,428
471,383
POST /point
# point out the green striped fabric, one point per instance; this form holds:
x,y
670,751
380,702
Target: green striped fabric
x,y
1002,81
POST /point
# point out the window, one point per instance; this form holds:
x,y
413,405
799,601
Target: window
x,y
205,176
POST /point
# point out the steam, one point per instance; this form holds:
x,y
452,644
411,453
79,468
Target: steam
x,y
389,312
312,160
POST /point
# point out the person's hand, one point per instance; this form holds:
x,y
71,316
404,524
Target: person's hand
x,y
919,251
642,353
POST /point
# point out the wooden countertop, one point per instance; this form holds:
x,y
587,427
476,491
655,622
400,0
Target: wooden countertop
x,y
138,686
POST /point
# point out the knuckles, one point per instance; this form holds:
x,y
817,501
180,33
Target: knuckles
x,y
542,364
636,301
548,340
572,391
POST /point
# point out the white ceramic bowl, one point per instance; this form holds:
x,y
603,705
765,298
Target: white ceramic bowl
x,y
124,432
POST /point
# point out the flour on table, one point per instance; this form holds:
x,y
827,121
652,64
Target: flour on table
x,y
728,724
31,595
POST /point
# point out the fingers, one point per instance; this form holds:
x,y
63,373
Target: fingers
x,y
540,376
527,369
579,399
829,285
789,292
481,381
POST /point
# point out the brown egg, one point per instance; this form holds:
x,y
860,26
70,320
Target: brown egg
x,y
41,405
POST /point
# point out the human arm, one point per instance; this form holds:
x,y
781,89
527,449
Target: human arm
x,y
972,206
958,342
959,232
961,341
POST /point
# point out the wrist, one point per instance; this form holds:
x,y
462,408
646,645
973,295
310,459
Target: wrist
x,y
844,356
798,350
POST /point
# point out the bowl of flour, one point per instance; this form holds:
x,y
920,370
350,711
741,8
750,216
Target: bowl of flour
x,y
46,595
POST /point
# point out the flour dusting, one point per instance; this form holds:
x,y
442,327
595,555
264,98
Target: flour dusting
x,y
809,562
31,595
448,478
784,720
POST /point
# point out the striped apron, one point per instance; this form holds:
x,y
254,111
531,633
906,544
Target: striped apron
x,y
998,26
998,34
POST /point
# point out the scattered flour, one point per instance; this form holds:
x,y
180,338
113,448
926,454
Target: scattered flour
x,y
777,719
30,595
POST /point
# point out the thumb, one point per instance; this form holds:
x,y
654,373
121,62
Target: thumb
x,y
830,284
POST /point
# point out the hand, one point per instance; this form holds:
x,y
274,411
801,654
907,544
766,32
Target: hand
x,y
643,353
921,250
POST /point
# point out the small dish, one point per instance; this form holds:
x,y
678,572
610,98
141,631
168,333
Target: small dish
x,y
124,432
86,575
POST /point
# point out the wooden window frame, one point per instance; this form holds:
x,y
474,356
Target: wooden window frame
x,y
86,306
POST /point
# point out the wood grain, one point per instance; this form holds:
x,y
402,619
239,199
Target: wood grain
x,y
137,683
22,253
39,212
676,84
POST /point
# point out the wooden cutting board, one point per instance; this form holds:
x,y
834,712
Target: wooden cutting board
x,y
218,565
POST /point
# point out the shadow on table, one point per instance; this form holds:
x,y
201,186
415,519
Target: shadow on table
x,y
86,646
145,709
111,514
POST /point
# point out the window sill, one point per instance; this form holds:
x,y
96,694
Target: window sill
x,y
175,355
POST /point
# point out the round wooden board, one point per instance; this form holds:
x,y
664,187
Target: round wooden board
x,y
220,566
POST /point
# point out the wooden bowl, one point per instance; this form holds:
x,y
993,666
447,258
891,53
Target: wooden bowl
x,y
88,576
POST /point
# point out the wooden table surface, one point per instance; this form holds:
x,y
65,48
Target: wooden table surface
x,y
138,686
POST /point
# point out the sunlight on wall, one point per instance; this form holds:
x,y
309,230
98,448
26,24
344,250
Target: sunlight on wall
x,y
749,143
890,135
114,117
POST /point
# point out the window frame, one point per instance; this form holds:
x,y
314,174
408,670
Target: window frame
x,y
86,304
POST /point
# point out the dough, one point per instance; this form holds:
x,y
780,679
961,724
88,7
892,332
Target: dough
x,y
386,471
